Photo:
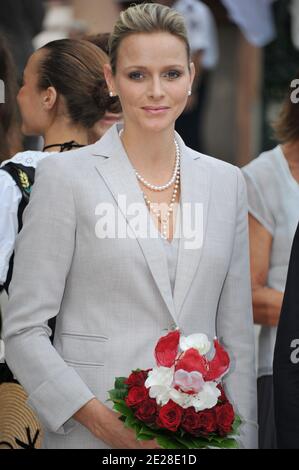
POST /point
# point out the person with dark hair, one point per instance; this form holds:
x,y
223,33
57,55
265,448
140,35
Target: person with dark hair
x,y
135,235
64,94
273,194
10,135
286,359
114,113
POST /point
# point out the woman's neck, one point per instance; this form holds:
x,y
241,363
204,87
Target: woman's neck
x,y
149,152
59,134
291,152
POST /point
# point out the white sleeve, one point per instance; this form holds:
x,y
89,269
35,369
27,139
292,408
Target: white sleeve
x,y
10,197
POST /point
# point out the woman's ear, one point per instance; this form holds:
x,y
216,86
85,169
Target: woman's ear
x,y
192,73
50,97
109,79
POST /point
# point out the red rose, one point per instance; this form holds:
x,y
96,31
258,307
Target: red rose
x,y
137,379
147,411
223,397
225,417
136,396
192,361
190,421
167,348
170,416
207,421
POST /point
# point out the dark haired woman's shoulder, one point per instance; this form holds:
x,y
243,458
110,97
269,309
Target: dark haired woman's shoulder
x,y
70,162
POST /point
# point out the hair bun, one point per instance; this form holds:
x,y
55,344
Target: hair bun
x,y
100,94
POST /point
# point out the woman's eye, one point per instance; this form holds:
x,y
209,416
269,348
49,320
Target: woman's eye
x,y
172,74
136,75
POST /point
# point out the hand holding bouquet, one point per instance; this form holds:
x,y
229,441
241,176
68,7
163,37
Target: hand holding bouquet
x,y
180,402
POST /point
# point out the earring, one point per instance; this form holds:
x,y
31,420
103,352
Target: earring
x,y
189,93
111,94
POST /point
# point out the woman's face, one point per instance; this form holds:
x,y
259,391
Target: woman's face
x,y
152,80
30,98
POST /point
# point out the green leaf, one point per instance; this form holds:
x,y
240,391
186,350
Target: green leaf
x,y
118,394
237,424
132,422
120,383
144,437
123,409
225,444
149,432
168,443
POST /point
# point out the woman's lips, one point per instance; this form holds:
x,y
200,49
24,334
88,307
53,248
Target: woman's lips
x,y
155,109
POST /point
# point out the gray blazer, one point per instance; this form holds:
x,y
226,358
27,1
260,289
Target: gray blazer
x,y
112,296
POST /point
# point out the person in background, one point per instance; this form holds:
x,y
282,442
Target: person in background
x,y
286,359
63,95
273,198
10,135
115,292
114,113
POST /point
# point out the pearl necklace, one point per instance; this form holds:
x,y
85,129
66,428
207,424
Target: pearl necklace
x,y
167,185
163,219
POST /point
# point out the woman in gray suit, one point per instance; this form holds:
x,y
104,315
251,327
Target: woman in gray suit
x,y
135,234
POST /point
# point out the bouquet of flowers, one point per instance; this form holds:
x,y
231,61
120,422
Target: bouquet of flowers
x,y
180,402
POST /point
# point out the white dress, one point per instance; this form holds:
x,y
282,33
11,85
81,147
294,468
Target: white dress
x,y
10,197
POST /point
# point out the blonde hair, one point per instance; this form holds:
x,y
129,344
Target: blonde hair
x,y
146,18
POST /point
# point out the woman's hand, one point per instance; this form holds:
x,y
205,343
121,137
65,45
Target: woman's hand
x,y
105,425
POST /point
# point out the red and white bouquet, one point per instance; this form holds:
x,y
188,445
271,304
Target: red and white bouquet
x,y
180,402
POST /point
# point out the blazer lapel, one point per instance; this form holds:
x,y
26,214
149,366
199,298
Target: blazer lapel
x,y
120,179
195,192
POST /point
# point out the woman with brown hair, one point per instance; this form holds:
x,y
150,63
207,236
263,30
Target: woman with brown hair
x,y
273,194
113,114
63,95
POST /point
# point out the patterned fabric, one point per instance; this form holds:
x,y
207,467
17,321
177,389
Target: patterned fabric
x,y
24,179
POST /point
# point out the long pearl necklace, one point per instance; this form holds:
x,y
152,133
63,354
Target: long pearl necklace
x,y
163,218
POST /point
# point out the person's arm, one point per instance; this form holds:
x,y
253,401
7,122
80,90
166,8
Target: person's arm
x,y
105,425
286,359
266,301
235,325
10,197
44,253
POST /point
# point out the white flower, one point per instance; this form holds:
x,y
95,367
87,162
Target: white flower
x,y
206,398
197,341
160,393
180,398
159,382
